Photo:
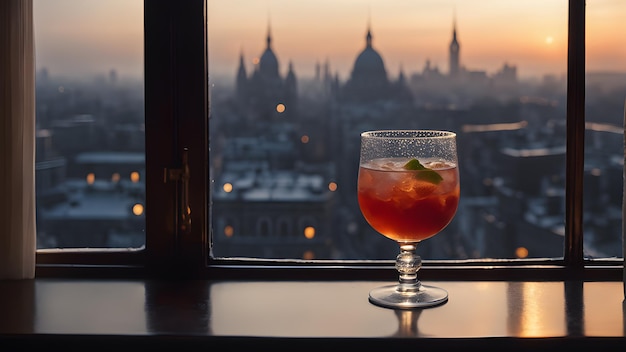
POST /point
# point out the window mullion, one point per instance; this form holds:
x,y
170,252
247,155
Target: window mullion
x,y
190,50
573,254
176,113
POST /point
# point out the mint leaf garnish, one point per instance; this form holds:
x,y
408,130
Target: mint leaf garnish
x,y
425,173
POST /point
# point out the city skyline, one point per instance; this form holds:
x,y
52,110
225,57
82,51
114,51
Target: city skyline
x,y
287,155
406,34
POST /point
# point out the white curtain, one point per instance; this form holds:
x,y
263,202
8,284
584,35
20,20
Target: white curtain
x,y
17,140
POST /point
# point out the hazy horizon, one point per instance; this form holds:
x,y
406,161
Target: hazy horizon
x,y
406,34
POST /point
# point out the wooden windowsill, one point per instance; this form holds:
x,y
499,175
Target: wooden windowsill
x,y
48,311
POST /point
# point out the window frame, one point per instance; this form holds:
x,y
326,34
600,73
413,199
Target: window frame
x,y
177,121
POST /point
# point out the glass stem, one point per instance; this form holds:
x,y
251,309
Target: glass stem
x,y
408,263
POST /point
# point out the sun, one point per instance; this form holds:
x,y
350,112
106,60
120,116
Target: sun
x,y
549,40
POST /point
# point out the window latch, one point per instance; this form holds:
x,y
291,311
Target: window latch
x,y
181,175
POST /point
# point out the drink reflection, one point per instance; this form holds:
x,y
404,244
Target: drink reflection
x,y
407,322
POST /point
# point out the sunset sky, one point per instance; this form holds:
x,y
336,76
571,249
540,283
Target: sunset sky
x,y
81,37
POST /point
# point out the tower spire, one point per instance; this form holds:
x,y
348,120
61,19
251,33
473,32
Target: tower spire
x,y
454,50
368,37
269,34
454,25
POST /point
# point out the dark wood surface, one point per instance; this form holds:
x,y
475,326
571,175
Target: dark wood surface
x,y
198,313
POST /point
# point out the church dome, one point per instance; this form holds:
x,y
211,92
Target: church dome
x,y
369,64
368,81
268,63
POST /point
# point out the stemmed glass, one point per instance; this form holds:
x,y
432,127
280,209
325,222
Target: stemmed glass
x,y
408,190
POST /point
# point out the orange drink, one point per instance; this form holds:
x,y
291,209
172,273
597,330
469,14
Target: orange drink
x,y
408,205
408,190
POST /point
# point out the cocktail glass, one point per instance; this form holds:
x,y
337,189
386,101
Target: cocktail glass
x,y
408,191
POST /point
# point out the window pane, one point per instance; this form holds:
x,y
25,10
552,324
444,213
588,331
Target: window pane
x,y
604,133
90,117
293,84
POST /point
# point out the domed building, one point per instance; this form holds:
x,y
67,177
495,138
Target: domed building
x,y
265,89
369,81
268,63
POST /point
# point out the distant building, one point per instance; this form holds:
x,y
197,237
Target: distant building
x,y
262,212
265,92
460,86
455,49
272,196
507,76
369,82
97,202
50,171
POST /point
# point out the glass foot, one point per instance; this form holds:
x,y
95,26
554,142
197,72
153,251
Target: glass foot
x,y
391,297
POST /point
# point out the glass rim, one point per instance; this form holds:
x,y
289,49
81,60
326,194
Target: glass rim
x,y
408,133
